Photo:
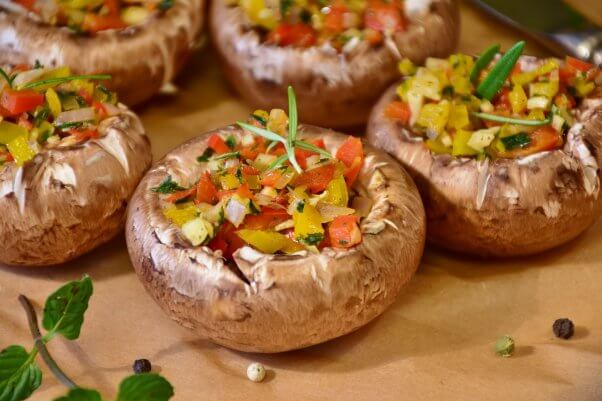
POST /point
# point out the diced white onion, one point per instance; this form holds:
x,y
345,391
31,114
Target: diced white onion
x,y
85,114
538,102
235,212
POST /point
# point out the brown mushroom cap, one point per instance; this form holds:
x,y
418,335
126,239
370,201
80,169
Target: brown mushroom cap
x,y
68,200
141,58
274,303
503,207
334,90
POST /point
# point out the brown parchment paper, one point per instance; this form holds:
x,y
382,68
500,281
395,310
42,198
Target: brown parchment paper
x,y
435,343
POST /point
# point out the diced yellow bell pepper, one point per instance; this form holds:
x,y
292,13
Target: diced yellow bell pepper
x,y
197,230
336,192
523,78
253,182
269,242
434,116
229,181
427,84
307,222
437,147
262,114
518,99
547,67
547,89
460,144
458,117
403,88
135,15
536,114
278,121
259,13
20,150
406,67
583,87
461,63
54,103
10,131
461,84
180,214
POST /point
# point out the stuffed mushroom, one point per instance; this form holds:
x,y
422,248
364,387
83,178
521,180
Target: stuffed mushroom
x,y
505,150
340,55
70,158
143,44
264,243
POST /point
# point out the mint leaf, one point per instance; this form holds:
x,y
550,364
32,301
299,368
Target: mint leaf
x,y
65,308
80,394
145,387
19,375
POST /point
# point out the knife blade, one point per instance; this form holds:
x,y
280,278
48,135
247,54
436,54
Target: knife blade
x,y
553,23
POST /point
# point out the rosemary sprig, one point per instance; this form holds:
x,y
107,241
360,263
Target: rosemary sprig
x,y
313,148
292,129
55,81
509,120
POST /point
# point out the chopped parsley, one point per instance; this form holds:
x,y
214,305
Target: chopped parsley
x,y
259,119
231,141
168,186
300,206
312,239
520,140
165,5
205,156
229,155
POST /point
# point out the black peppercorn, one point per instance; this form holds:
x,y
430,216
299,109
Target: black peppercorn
x,y
142,366
563,328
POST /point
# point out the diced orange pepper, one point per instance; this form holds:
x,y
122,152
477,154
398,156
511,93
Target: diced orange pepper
x,y
316,179
206,192
301,154
384,16
579,65
20,101
398,111
96,23
344,232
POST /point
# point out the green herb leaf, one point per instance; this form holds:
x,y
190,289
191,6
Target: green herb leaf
x,y
300,206
285,5
500,71
229,155
509,120
519,140
262,132
313,148
8,79
278,162
65,308
483,61
165,5
231,141
292,129
80,394
312,239
19,375
205,156
56,81
72,124
259,119
168,186
145,387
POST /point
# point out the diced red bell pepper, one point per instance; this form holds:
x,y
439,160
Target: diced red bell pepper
x,y
502,99
180,195
84,134
226,240
271,177
334,20
384,17
344,232
351,153
95,23
579,65
112,7
28,4
268,218
316,179
218,145
399,111
301,154
84,94
101,110
277,150
251,152
299,35
206,192
542,139
20,101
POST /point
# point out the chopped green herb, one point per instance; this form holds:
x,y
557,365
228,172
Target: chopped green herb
x,y
259,119
73,124
520,140
285,6
8,79
448,91
38,65
312,239
231,141
165,5
239,175
41,114
56,81
168,186
300,206
205,156
516,121
254,209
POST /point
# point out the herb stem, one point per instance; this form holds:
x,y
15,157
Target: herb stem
x,y
60,80
40,345
509,120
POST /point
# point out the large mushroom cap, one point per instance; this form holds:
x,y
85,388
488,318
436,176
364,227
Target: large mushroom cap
x,y
269,303
503,207
334,90
141,58
68,200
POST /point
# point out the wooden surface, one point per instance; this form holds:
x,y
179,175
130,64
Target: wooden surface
x,y
435,343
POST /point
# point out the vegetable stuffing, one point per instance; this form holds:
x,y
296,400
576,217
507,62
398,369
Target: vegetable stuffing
x,y
49,107
489,107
